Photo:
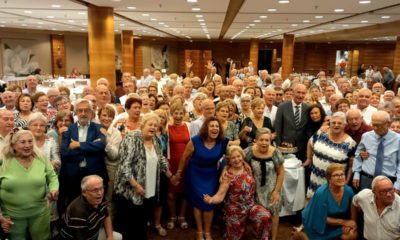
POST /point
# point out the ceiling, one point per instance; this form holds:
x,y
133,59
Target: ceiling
x,y
204,19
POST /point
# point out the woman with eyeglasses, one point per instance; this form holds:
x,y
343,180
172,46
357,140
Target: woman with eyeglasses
x,y
327,215
326,147
42,105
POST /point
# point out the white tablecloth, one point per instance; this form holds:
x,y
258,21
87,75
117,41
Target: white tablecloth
x,y
293,189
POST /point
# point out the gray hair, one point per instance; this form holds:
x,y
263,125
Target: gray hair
x,y
147,117
340,115
87,178
262,131
275,76
199,96
358,111
83,100
36,116
378,179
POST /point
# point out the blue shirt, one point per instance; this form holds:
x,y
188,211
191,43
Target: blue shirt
x,y
391,162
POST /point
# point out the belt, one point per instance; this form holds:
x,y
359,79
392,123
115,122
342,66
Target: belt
x,y
393,179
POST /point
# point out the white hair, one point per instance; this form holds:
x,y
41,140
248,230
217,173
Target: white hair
x,y
36,116
378,179
87,178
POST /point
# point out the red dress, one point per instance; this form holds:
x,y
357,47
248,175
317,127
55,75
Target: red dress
x,y
178,138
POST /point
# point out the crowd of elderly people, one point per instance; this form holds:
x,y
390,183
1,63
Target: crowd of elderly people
x,y
164,150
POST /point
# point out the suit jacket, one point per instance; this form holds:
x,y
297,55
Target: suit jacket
x,y
92,151
286,129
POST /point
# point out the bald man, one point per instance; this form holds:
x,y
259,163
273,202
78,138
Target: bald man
x,y
31,83
356,125
363,101
8,99
208,110
382,145
291,121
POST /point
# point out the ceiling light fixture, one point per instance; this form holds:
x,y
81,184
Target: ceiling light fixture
x,y
283,1
202,24
82,13
191,1
294,25
71,21
161,23
131,8
55,6
145,14
319,17
364,21
196,9
345,25
385,17
364,2
200,20
122,25
251,24
50,16
272,10
257,21
339,10
153,19
306,21
263,17
199,16
27,11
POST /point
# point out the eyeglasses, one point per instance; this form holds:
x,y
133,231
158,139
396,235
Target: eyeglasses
x,y
386,191
279,94
338,175
96,190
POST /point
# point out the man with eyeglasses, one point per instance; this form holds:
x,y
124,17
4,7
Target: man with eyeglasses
x,y
383,158
381,210
87,216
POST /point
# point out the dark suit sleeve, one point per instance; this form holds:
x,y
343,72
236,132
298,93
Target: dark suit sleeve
x,y
97,144
66,140
278,125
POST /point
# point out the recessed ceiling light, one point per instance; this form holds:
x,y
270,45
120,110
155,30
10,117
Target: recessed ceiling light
x,y
166,26
161,23
257,21
27,11
82,13
345,25
202,24
145,14
294,25
24,25
71,21
283,1
200,20
319,17
364,21
339,10
39,27
40,23
385,17
131,8
84,24
50,16
306,21
2,25
54,29
55,6
333,28
196,9
153,19
364,2
122,25
271,10
199,16
191,1
251,24
263,17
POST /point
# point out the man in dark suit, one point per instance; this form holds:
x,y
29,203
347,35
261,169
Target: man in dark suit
x,y
291,122
82,154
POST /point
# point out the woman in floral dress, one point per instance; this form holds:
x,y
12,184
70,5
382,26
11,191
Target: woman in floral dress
x,y
239,186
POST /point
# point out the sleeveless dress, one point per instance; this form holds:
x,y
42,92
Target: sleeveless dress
x,y
202,172
178,138
326,152
240,206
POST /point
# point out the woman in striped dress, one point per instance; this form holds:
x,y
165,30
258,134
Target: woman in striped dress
x,y
325,148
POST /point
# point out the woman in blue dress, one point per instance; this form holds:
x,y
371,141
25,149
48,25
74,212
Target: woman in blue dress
x,y
327,215
204,151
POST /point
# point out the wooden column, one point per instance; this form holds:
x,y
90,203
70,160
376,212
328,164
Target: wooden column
x,y
274,64
254,54
355,63
396,62
101,44
127,51
57,55
287,55
349,65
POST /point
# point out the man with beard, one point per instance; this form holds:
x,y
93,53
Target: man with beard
x,y
82,153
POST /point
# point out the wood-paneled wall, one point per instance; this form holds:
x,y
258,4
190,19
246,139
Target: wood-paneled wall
x,y
57,54
396,60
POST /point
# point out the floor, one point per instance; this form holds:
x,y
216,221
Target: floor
x,y
285,228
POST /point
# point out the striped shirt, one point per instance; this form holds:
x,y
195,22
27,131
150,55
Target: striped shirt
x,y
81,221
